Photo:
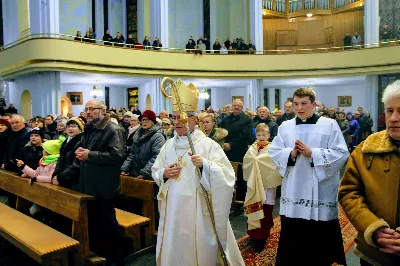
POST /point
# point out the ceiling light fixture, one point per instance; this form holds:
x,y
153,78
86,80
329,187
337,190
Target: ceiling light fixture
x,y
204,94
96,91
309,15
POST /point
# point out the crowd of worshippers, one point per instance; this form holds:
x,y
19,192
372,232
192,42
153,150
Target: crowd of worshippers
x,y
73,151
386,35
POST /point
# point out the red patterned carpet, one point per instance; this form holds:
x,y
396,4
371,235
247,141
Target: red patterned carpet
x,y
267,256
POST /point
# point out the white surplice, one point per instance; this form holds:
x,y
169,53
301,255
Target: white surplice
x,y
310,192
185,232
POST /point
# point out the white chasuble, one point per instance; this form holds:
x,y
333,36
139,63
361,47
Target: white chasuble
x,y
310,187
185,232
262,180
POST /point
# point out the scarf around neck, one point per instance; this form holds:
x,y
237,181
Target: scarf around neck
x,y
49,159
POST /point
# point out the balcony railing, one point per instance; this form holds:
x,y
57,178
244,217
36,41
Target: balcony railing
x,y
285,37
292,6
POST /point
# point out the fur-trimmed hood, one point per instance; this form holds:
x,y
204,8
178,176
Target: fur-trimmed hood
x,y
218,134
379,143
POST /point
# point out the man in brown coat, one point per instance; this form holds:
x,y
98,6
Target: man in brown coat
x,y
369,191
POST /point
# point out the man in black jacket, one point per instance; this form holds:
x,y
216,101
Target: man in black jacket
x,y
289,114
101,154
263,116
239,128
19,137
107,38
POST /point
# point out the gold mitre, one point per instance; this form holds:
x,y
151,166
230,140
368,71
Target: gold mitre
x,y
189,96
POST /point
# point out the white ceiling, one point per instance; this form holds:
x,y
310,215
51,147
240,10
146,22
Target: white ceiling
x,y
77,78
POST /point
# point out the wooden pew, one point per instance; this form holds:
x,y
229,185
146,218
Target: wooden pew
x,y
63,201
143,190
39,241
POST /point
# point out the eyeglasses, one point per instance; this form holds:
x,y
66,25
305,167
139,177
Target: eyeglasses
x,y
145,120
15,123
72,126
91,109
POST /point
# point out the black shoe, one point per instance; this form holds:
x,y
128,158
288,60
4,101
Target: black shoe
x,y
258,245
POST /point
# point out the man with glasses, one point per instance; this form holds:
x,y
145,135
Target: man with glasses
x,y
100,154
19,137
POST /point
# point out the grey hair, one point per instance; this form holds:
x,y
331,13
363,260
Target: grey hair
x,y
191,113
99,103
228,105
238,100
19,116
391,92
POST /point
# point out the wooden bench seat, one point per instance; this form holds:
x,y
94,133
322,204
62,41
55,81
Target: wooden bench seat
x,y
131,223
40,242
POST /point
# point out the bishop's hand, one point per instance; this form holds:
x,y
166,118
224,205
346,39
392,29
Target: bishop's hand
x,y
172,171
197,160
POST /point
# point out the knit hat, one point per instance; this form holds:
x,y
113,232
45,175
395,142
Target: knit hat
x,y
37,131
150,114
78,121
166,121
129,113
4,122
52,147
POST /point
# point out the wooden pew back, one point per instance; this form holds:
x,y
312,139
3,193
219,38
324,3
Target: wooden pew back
x,y
143,190
61,200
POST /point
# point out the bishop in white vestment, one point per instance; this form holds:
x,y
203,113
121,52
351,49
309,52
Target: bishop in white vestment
x,y
185,235
309,152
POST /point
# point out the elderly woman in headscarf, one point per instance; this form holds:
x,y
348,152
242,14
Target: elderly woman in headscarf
x,y
146,145
208,122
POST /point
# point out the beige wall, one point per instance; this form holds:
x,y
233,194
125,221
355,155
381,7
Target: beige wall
x,y
341,23
61,55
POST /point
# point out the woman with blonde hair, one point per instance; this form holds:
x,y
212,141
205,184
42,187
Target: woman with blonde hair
x,y
208,122
262,181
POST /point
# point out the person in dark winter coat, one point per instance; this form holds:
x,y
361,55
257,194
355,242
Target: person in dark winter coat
x,y
263,116
4,134
289,114
19,137
239,127
66,172
12,109
107,38
100,153
147,143
190,46
32,152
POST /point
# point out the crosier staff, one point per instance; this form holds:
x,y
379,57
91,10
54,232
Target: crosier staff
x,y
167,86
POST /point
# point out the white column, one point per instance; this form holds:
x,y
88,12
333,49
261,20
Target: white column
x,y
256,24
371,92
256,86
144,20
99,29
54,16
164,20
155,23
271,99
371,22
